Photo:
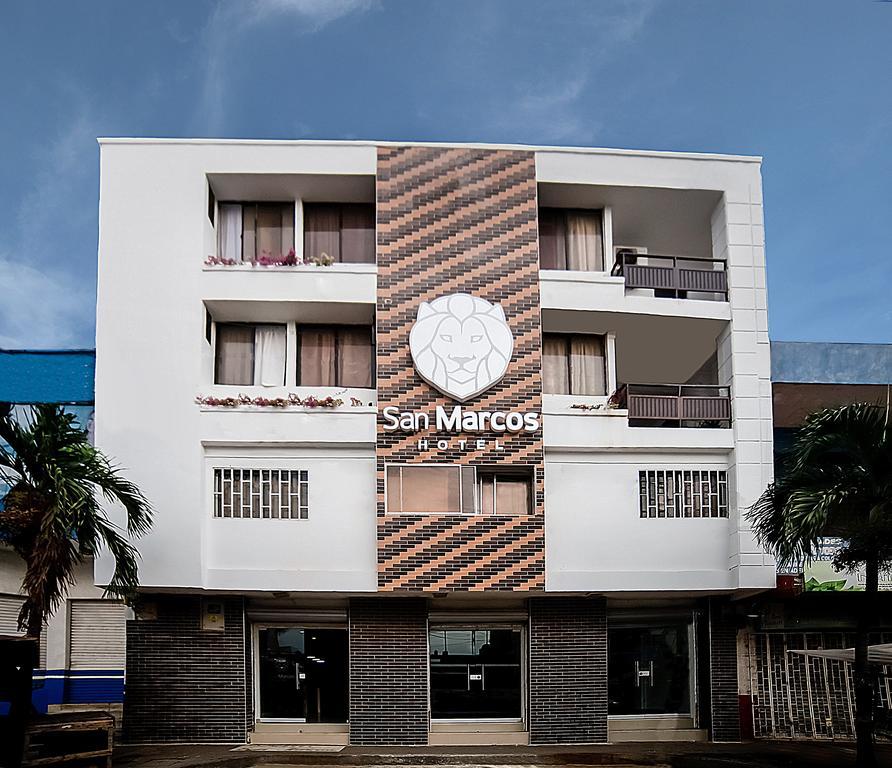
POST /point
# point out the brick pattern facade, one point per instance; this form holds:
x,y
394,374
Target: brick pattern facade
x,y
458,220
568,670
185,684
388,671
724,702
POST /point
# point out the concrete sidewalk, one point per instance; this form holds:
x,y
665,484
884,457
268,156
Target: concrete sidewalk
x,y
761,754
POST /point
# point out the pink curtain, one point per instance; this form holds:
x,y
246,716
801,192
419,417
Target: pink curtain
x,y
355,356
317,358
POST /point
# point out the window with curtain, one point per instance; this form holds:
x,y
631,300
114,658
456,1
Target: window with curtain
x,y
248,231
345,232
504,493
571,239
573,364
431,489
335,356
250,355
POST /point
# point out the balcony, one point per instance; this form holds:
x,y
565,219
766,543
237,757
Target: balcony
x,y
675,405
678,277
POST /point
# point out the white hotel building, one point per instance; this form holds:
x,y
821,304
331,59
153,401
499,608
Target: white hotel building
x,y
284,332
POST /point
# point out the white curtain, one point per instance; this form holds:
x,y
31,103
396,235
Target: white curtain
x,y
269,355
584,246
587,374
229,245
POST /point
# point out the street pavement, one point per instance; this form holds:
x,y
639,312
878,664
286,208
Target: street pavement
x,y
760,754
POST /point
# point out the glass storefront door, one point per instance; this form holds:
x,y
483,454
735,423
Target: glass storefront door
x,y
649,669
302,674
476,674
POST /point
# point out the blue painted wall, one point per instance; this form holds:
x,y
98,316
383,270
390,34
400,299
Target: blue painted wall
x,y
806,362
47,376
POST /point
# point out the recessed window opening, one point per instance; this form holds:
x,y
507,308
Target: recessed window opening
x,y
573,364
252,232
431,489
250,355
335,356
504,493
571,239
341,232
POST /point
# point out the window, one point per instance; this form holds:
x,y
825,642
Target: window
x,y
573,364
335,356
504,494
431,489
249,355
269,494
251,231
212,204
570,239
343,232
683,493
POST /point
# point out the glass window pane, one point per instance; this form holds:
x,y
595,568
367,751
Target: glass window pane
x,y
552,239
512,495
358,234
355,357
587,373
316,357
322,232
424,490
234,354
584,244
555,372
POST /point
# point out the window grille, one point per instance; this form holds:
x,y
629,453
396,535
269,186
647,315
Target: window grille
x,y
271,494
683,493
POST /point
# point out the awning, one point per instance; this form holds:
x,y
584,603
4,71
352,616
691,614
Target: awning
x,y
876,654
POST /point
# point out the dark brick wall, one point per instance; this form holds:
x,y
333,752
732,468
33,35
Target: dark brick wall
x,y
388,671
185,684
725,706
568,670
459,220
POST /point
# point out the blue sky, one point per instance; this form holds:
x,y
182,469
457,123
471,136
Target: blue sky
x,y
807,84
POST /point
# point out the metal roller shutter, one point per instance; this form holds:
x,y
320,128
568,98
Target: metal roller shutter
x,y
10,605
97,637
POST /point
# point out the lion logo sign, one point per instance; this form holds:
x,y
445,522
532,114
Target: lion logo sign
x,y
461,344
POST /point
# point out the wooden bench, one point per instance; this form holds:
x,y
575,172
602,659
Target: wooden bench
x,y
71,738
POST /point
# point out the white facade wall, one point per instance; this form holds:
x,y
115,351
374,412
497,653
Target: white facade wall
x,y
153,359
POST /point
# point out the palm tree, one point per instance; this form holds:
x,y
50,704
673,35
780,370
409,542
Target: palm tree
x,y
836,482
52,514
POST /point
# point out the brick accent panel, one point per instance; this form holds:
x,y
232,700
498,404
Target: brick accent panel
x,y
724,703
185,684
388,671
458,220
568,670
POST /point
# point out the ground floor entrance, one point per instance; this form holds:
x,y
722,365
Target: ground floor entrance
x,y
476,673
302,674
414,670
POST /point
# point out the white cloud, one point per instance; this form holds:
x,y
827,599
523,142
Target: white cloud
x,y
553,109
317,12
231,19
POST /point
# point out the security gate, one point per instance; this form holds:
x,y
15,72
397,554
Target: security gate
x,y
807,697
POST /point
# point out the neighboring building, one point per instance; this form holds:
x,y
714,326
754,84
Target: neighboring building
x,y
519,517
82,645
793,695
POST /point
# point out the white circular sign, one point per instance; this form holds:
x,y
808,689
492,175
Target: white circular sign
x,y
461,345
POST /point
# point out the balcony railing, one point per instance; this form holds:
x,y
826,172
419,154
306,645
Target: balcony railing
x,y
672,276
676,405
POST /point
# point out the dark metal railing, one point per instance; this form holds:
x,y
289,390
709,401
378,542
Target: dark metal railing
x,y
672,276
683,405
